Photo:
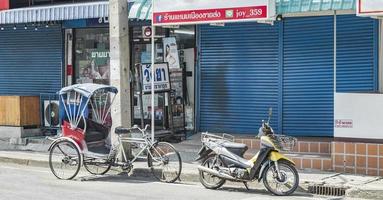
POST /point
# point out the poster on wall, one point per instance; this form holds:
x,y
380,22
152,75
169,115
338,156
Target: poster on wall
x,y
161,78
170,12
344,123
171,52
100,64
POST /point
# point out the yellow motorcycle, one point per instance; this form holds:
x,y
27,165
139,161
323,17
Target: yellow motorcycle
x,y
222,160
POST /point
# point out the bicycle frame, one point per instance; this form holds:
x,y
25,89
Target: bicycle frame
x,y
146,141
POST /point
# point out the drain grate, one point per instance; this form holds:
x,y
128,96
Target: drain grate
x,y
327,190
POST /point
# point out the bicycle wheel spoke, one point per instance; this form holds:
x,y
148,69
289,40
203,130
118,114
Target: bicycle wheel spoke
x,y
165,162
64,160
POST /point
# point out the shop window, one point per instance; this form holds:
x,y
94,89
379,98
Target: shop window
x,y
185,36
92,60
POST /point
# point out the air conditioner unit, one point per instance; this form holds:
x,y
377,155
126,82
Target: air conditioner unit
x,y
51,114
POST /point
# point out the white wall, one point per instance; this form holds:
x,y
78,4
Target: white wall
x,y
190,66
365,111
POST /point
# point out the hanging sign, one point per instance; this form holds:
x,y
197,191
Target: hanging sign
x,y
146,31
369,7
161,78
170,12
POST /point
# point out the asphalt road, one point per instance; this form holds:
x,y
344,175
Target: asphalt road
x,y
22,182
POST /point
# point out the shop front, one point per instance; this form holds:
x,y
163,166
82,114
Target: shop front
x,y
88,49
296,66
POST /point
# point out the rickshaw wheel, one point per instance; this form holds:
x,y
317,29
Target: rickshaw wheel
x,y
97,166
165,162
64,160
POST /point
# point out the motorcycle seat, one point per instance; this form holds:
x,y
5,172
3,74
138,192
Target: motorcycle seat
x,y
233,145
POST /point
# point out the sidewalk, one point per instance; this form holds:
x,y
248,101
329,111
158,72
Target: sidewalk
x,y
357,186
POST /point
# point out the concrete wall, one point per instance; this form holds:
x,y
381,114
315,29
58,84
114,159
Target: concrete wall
x,y
358,115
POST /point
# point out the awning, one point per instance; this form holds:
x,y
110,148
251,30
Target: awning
x,y
138,10
299,6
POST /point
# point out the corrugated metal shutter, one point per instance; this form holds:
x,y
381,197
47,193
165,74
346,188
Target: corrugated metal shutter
x,y
308,76
30,60
238,77
357,63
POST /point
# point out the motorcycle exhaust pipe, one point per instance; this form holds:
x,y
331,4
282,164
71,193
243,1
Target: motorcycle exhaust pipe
x,y
216,173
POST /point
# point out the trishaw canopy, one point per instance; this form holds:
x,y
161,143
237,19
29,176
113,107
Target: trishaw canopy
x,y
88,89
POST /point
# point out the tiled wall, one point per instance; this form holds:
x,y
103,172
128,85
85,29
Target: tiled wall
x,y
342,157
358,158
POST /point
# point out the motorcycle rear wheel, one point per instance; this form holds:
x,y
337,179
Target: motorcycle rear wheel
x,y
288,172
207,180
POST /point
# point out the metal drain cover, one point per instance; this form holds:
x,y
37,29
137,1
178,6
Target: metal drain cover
x,y
327,190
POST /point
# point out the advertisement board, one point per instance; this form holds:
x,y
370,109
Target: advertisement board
x,y
170,12
369,7
161,78
171,52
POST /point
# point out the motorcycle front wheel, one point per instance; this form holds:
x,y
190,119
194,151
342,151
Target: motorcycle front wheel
x,y
207,180
284,185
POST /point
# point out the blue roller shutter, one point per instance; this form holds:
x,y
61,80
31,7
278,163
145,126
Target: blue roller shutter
x,y
30,60
357,57
238,77
308,76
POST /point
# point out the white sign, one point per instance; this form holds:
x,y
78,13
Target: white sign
x,y
344,123
369,7
171,12
161,78
171,52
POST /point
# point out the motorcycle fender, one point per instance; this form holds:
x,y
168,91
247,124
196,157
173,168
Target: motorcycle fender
x,y
203,152
275,156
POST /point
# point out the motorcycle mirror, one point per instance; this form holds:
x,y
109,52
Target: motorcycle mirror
x,y
270,111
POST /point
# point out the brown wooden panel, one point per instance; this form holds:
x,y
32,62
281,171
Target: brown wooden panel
x,y
19,111
10,110
30,111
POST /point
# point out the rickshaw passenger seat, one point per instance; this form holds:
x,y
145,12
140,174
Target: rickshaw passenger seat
x,y
121,130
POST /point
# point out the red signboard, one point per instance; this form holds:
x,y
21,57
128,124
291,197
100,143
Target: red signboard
x,y
170,12
223,14
4,4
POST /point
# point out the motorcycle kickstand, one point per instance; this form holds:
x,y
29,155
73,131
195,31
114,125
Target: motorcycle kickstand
x,y
246,185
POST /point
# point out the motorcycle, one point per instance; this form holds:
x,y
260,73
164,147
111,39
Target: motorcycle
x,y
223,160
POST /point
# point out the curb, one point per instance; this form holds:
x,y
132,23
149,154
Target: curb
x,y
194,177
27,162
141,172
365,194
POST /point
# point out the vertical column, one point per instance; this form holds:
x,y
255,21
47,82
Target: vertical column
x,y
68,71
280,76
380,56
119,63
335,51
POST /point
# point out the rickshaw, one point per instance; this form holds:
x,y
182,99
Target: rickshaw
x,y
85,111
